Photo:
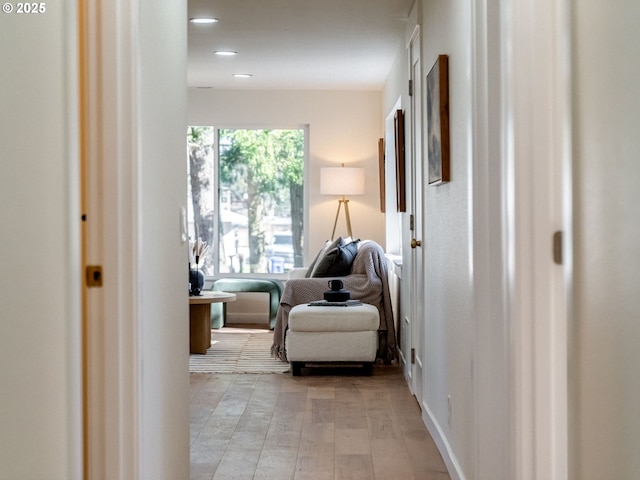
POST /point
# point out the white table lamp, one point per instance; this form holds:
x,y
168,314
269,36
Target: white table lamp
x,y
342,181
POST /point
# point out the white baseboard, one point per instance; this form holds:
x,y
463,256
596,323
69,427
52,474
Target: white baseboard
x,y
450,460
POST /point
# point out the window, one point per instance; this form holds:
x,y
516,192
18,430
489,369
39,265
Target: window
x,y
246,198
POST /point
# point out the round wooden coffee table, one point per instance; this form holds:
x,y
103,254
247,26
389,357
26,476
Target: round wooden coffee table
x,y
200,318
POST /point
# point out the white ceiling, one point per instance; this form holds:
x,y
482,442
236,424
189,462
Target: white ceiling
x,y
296,44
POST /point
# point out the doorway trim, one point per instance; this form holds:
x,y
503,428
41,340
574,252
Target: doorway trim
x,y
536,119
109,204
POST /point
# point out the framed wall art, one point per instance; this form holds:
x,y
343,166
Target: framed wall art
x,y
381,174
398,121
438,121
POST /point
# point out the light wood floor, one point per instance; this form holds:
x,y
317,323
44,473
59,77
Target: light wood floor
x,y
326,425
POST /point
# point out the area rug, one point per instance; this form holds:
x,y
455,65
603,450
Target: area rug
x,y
238,351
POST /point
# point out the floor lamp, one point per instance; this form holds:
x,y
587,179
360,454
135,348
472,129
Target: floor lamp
x,y
342,181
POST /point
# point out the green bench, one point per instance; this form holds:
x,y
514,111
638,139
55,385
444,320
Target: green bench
x,y
235,285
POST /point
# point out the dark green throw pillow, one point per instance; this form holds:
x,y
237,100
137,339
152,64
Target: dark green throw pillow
x,y
329,245
337,261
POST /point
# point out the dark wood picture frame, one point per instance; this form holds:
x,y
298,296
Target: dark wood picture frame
x,y
398,122
438,147
381,173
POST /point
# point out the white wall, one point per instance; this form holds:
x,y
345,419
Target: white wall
x,y
396,86
40,403
395,97
449,326
604,383
448,338
465,334
40,284
163,307
343,127
604,328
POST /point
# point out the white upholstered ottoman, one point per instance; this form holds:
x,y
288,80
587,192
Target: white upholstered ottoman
x,y
332,334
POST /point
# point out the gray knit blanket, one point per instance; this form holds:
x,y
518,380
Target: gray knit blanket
x,y
368,282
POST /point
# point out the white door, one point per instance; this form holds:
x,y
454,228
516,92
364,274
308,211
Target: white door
x,y
415,187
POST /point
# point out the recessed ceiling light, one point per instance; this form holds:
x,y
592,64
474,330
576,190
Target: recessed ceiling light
x,y
225,53
242,75
203,20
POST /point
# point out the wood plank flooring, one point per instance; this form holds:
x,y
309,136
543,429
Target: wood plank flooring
x,y
324,425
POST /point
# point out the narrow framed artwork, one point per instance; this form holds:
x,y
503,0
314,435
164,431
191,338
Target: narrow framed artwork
x,y
438,122
398,121
381,173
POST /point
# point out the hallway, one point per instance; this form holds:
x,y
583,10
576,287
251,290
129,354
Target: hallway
x,y
248,426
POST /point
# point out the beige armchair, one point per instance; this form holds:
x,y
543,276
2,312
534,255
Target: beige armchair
x,y
367,281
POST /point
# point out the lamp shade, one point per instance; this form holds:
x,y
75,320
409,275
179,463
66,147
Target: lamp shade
x,y
341,181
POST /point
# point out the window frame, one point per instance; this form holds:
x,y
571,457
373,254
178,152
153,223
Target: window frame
x,y
215,250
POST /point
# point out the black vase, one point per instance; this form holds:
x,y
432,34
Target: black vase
x,y
196,281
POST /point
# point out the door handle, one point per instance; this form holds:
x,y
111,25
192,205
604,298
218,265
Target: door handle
x,y
415,243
